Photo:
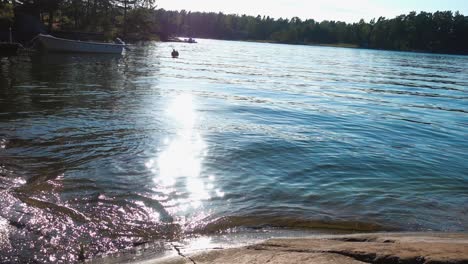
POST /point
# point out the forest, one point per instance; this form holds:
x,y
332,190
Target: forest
x,y
442,31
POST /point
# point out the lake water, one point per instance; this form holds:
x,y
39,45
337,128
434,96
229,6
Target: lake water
x,y
111,152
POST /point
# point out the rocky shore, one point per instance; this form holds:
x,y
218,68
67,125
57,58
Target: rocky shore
x,y
419,248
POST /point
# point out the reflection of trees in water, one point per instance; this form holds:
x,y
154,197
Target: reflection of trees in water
x,y
13,71
50,104
5,79
65,119
48,107
51,82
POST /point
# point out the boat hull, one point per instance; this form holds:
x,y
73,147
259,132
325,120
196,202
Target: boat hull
x,y
54,44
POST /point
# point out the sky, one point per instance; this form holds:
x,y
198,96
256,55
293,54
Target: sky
x,y
338,10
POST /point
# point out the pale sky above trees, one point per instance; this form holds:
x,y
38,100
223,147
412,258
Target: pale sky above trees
x,y
342,10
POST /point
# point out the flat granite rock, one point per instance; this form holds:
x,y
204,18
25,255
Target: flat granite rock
x,y
383,248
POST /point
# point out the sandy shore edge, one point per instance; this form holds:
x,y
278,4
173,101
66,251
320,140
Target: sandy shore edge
x,y
419,248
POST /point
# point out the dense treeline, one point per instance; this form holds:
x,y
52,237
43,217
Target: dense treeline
x,y
139,19
436,32
133,18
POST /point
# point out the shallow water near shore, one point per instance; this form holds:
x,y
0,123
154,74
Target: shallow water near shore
x,y
111,152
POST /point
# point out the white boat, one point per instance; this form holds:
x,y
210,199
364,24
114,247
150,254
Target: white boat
x,y
52,43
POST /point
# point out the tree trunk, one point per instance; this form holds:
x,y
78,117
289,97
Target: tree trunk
x,y
94,15
88,5
51,20
125,19
76,13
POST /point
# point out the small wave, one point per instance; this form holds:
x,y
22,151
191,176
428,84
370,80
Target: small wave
x,y
264,222
58,209
440,108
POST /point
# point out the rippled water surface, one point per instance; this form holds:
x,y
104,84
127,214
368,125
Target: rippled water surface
x,y
110,152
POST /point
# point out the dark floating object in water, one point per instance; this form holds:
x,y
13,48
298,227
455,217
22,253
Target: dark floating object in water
x,y
175,53
190,40
185,40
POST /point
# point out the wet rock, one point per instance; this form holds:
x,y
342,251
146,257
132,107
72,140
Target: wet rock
x,y
384,248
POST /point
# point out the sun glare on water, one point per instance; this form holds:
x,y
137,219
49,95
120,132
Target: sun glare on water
x,y
178,166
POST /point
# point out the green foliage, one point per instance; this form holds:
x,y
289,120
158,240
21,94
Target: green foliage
x,y
438,32
140,20
6,13
143,23
6,16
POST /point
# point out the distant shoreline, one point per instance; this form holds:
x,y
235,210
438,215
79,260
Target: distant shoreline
x,y
334,45
348,46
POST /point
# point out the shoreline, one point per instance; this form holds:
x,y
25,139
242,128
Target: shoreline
x,y
335,45
331,45
419,248
385,247
350,46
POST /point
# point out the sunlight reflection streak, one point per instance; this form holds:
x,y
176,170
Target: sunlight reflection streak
x,y
178,167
